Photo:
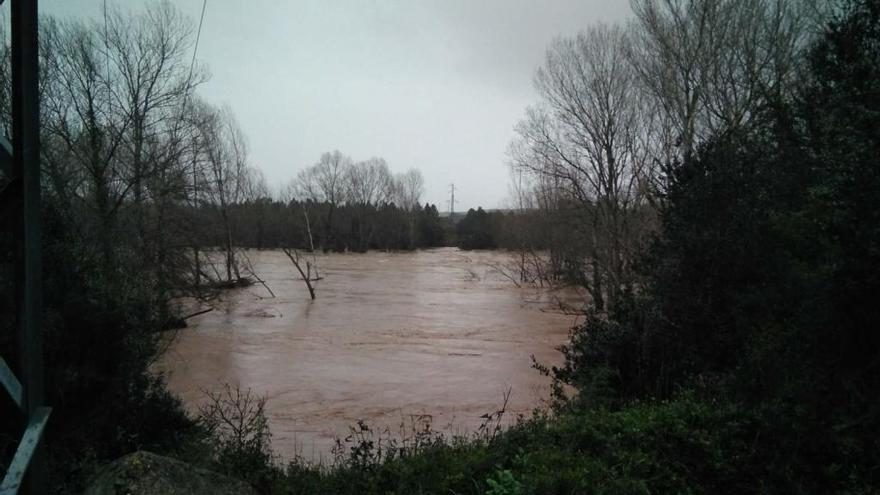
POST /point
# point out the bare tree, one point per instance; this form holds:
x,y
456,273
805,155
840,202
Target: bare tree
x,y
129,164
710,64
82,117
411,187
328,176
325,181
149,52
225,152
306,274
586,138
369,182
408,190
529,263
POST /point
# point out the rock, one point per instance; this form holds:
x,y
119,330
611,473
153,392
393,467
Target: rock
x,y
143,473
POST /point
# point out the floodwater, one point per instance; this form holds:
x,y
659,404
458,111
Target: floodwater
x,y
390,336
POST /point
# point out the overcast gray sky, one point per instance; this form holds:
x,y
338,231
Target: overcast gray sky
x,y
432,84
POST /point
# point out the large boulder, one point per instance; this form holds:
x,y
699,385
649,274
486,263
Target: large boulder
x,y
143,473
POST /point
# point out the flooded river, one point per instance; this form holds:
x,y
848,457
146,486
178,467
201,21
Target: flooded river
x,y
437,332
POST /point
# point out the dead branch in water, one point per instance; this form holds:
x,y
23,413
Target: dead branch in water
x,y
249,267
472,275
311,248
197,313
230,284
176,323
306,275
309,231
492,422
564,308
502,270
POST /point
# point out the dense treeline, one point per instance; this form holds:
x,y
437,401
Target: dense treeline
x,y
266,223
353,206
479,229
334,205
498,229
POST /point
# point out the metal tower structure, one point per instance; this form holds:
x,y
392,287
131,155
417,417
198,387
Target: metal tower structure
x,y
452,202
20,207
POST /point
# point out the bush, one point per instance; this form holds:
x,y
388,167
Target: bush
x,y
99,341
682,445
238,435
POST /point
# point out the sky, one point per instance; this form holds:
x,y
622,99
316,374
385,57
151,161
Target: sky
x,y
433,84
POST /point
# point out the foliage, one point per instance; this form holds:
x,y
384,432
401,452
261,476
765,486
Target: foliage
x,y
99,343
757,289
477,230
504,483
682,445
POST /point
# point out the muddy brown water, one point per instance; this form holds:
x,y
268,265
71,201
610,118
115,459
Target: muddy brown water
x,y
390,336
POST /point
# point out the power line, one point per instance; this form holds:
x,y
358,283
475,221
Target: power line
x,y
192,62
106,45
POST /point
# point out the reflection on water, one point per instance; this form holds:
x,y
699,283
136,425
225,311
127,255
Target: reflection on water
x,y
390,335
